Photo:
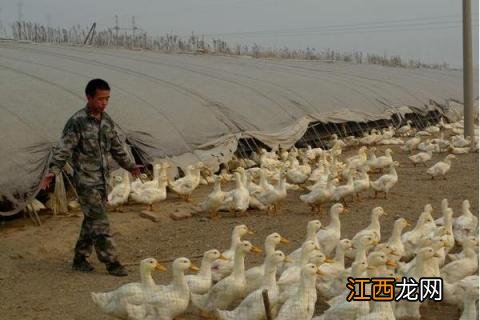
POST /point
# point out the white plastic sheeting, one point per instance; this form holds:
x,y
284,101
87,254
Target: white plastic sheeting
x,y
174,105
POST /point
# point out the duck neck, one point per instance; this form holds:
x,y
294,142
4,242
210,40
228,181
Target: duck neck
x,y
361,253
334,221
374,223
235,241
269,247
147,279
205,268
239,264
179,279
466,211
393,171
311,235
396,233
270,275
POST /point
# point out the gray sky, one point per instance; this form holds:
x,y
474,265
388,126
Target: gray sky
x,y
376,26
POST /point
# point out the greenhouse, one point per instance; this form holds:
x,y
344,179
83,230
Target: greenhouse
x,y
191,107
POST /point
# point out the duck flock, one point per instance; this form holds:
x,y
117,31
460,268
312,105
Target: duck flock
x,y
223,289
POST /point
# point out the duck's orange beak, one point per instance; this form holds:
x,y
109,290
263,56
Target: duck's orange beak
x,y
160,267
193,268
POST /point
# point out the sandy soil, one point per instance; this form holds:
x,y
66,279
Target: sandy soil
x,y
37,283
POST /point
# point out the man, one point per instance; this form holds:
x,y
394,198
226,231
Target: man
x,y
87,138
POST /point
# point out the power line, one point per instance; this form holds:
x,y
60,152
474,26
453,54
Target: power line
x,y
359,30
346,27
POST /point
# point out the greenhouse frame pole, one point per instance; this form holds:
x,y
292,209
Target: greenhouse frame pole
x,y
467,70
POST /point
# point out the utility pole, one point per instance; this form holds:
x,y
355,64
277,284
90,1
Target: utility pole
x,y
134,27
467,70
20,11
116,28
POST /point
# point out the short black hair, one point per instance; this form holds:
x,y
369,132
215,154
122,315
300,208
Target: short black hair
x,y
94,85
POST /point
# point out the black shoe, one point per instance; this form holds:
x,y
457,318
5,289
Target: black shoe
x,y
81,264
116,269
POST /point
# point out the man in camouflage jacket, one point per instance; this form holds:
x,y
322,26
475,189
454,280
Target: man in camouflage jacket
x,y
87,138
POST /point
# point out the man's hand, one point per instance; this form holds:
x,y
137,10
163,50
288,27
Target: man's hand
x,y
136,171
47,180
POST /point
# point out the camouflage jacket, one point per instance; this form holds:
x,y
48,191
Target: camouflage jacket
x,y
86,142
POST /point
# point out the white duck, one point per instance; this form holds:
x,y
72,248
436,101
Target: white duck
x,y
343,191
464,150
227,290
381,162
301,306
359,159
405,130
385,182
360,246
362,183
222,268
186,185
454,293
290,275
142,182
319,195
459,269
318,259
432,129
214,200
125,302
395,240
423,267
172,300
421,157
151,194
340,308
298,174
238,199
313,227
411,144
331,271
201,282
470,309
255,274
465,225
377,264
120,192
330,235
411,239
373,228
271,198
357,270
460,142
252,307
438,246
442,167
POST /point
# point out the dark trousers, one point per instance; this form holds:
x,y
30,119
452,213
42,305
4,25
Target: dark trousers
x,y
95,231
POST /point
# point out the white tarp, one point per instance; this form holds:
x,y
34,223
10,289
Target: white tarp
x,y
174,104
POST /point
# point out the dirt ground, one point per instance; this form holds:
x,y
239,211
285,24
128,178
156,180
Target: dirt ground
x,y
37,283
